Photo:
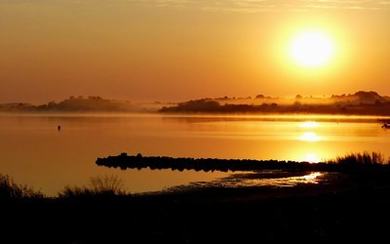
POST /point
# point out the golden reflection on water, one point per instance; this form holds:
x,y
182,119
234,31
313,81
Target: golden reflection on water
x,y
309,124
310,136
33,152
311,178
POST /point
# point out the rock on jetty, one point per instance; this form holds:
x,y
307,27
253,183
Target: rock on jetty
x,y
138,161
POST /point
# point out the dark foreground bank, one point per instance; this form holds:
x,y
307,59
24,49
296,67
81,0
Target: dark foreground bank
x,y
253,215
344,207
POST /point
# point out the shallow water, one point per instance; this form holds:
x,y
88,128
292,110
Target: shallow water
x,y
274,179
33,152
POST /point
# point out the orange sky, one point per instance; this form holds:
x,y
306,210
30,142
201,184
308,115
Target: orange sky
x,y
176,50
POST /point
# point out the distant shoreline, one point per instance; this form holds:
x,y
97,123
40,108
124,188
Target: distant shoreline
x,y
359,103
286,117
200,114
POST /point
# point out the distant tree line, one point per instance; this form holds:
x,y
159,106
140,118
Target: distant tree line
x,y
360,103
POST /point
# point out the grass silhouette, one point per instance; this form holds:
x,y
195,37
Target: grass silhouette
x,y
105,186
361,159
11,190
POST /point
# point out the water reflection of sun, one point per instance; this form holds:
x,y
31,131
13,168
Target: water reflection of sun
x,y
309,124
310,137
312,158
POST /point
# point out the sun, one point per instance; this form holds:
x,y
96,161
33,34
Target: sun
x,y
312,49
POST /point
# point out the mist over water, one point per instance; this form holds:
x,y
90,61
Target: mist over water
x,y
34,152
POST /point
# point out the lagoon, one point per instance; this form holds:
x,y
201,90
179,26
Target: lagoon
x,y
35,153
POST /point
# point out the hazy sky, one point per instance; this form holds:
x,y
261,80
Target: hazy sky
x,y
181,49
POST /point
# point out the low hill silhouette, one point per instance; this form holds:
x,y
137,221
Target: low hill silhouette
x,y
73,104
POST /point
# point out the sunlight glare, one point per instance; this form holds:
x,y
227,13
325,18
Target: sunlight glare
x,y
311,49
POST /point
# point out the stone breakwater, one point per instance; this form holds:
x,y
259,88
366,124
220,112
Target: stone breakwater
x,y
138,161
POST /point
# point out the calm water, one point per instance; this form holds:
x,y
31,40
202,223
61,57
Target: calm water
x,y
33,152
